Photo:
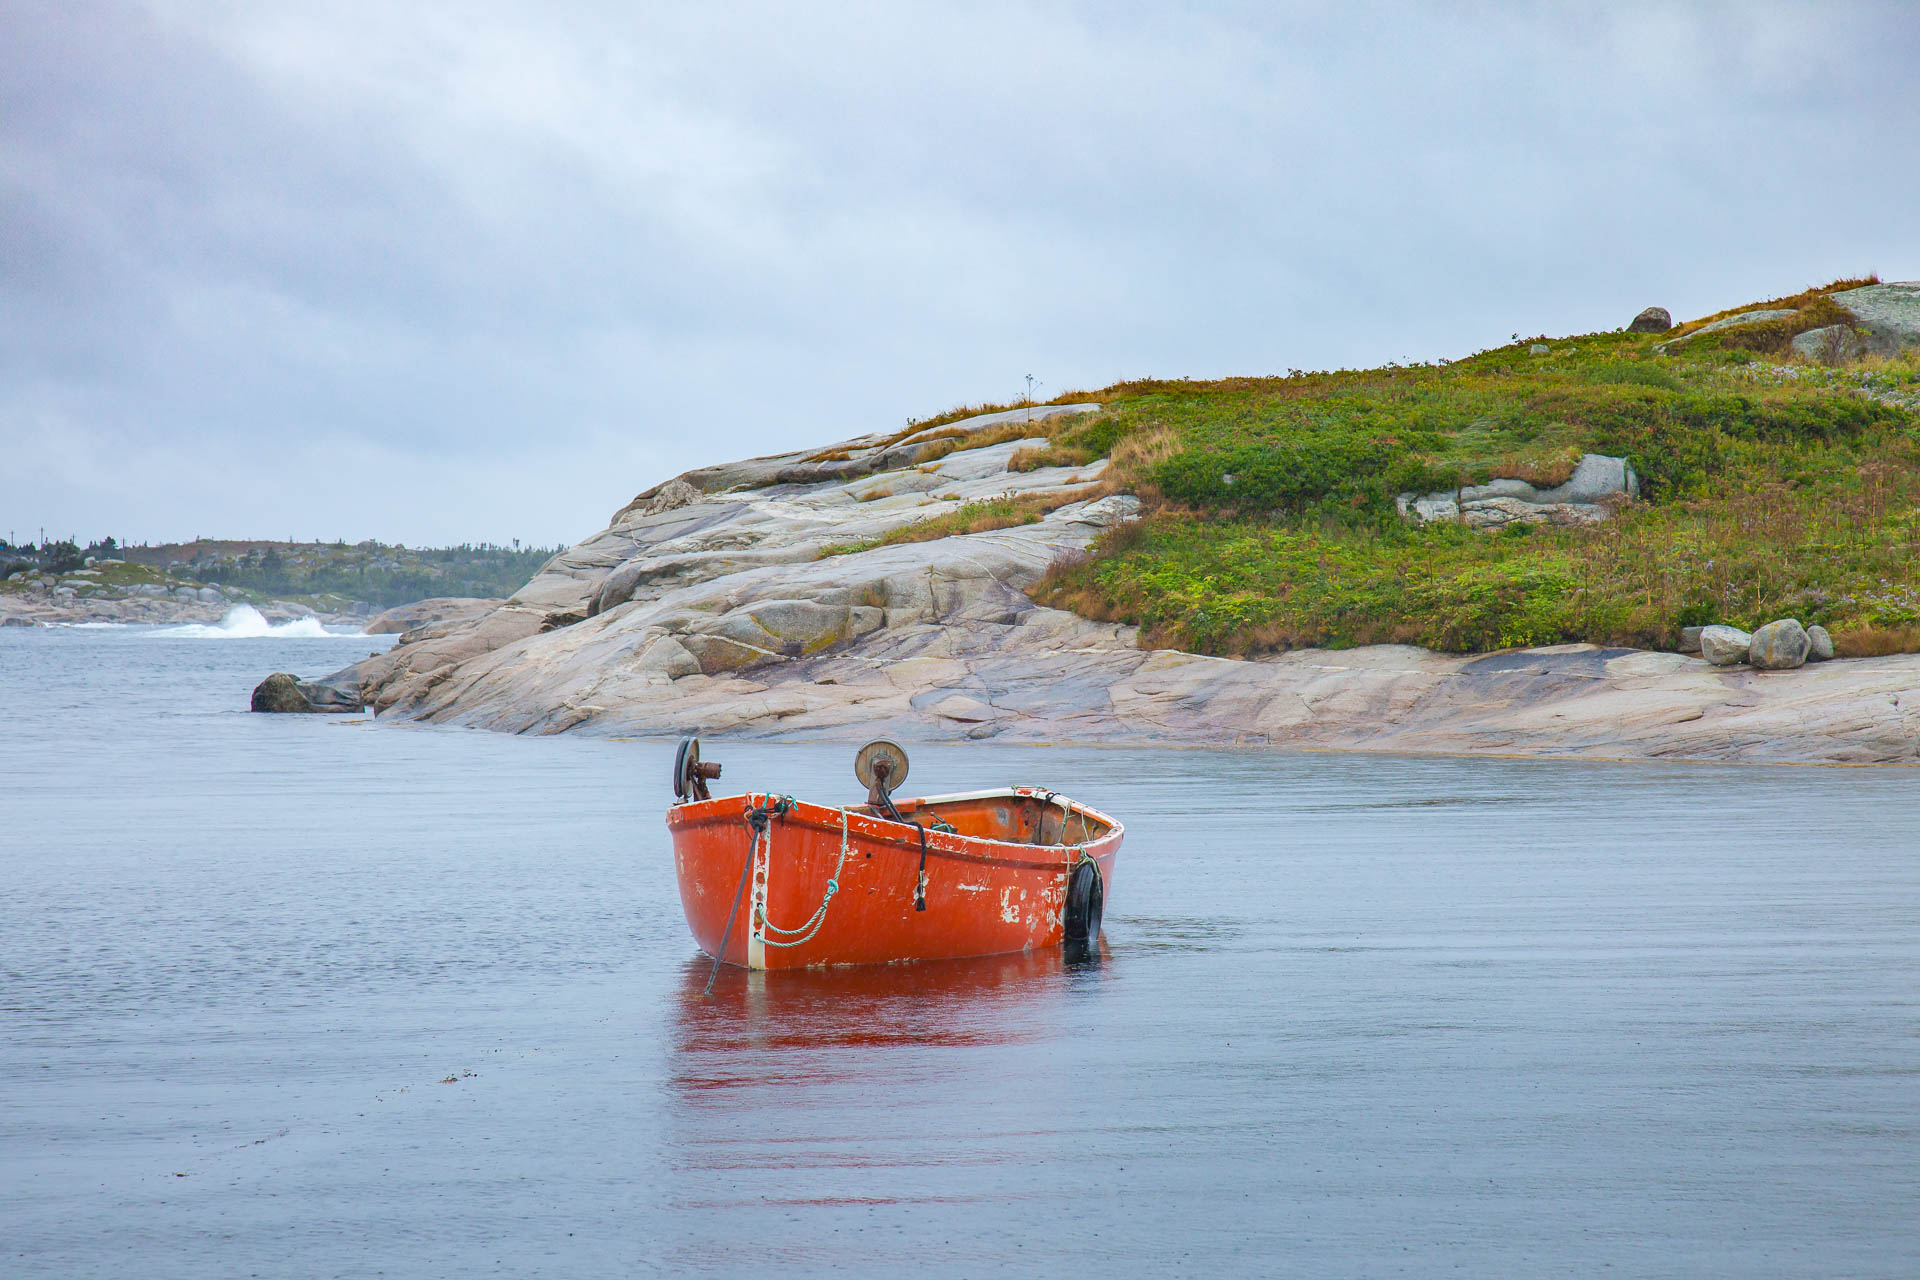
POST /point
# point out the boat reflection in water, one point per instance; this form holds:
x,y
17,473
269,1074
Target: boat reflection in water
x,y
849,1090
978,1001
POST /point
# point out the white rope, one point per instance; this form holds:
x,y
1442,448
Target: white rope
x,y
806,931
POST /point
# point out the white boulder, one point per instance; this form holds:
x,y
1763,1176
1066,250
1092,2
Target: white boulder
x,y
1724,646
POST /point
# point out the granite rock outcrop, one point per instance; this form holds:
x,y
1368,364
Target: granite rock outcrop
x,y
786,598
1599,486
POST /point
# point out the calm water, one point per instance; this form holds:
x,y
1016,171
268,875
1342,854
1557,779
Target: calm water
x,y
298,996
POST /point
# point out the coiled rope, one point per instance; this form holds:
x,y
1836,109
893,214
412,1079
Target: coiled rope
x,y
794,937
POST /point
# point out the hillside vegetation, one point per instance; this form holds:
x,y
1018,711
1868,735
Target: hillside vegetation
x,y
1771,487
374,572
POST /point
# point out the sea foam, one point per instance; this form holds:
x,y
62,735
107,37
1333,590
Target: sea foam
x,y
244,622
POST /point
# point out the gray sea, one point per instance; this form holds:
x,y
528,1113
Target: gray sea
x,y
309,996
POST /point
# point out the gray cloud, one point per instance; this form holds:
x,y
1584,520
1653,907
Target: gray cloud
x,y
437,272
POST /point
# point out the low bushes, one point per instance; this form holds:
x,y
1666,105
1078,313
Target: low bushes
x,y
1769,491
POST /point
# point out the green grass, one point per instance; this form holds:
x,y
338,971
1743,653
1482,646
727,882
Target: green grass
x,y
1770,490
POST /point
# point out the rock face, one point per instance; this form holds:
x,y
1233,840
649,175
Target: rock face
x,y
1834,344
1887,315
425,612
715,610
1779,646
1598,485
1652,320
1724,646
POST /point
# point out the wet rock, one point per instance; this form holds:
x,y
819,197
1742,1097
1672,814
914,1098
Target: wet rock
x,y
323,696
1780,645
284,693
1724,646
280,693
1819,644
1652,320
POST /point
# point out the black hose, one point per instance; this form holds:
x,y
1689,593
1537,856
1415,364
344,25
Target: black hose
x,y
920,885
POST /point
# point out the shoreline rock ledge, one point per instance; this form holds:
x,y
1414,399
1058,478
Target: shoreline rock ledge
x,y
758,599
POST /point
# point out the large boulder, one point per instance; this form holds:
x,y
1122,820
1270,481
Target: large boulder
x,y
1724,646
1598,478
1652,320
1598,484
1887,315
286,693
1781,645
1821,642
280,692
1832,344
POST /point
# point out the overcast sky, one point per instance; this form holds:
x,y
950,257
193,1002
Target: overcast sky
x,y
434,273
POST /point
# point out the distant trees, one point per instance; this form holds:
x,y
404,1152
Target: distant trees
x,y
378,574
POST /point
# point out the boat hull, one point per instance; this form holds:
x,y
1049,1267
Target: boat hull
x,y
998,884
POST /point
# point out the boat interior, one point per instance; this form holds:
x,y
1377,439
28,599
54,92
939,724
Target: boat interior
x,y
1001,815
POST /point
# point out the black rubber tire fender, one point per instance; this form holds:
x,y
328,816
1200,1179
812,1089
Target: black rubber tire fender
x,y
1086,900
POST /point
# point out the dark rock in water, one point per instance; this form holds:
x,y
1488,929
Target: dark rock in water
x,y
16,622
281,692
1652,320
327,697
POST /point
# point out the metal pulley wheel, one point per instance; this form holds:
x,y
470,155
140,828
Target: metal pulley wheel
x,y
881,766
690,776
882,761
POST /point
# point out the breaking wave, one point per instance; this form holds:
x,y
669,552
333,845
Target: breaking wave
x,y
244,622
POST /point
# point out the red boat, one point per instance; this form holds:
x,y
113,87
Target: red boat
x,y
770,882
